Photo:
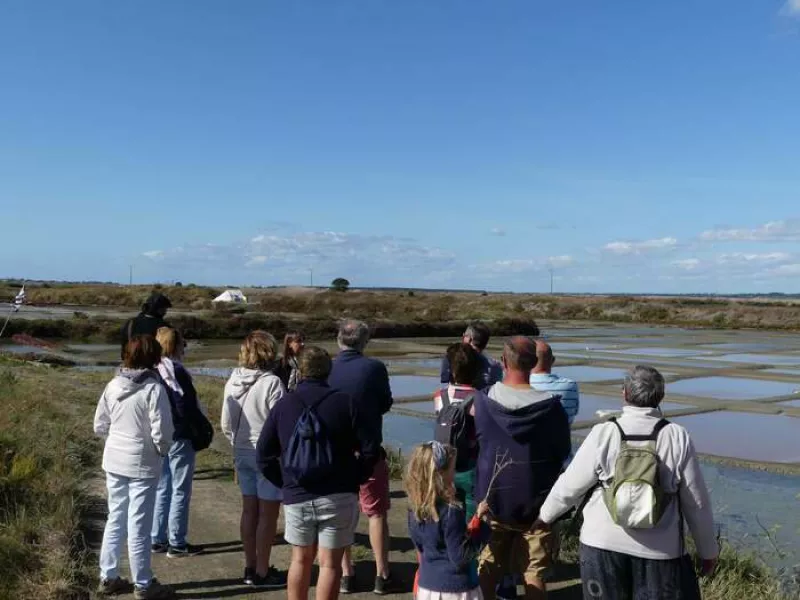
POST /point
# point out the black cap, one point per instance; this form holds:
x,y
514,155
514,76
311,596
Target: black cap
x,y
155,302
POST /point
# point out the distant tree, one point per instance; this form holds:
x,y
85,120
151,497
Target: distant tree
x,y
178,284
340,284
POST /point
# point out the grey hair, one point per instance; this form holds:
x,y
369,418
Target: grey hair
x,y
644,387
353,335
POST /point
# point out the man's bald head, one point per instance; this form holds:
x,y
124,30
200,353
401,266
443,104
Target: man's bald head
x,y
519,354
544,357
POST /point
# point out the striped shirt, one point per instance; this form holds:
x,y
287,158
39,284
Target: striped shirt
x,y
566,388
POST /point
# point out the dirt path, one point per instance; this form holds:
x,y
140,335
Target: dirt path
x,y
214,524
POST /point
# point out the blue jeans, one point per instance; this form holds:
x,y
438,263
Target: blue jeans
x,y
616,576
130,513
171,520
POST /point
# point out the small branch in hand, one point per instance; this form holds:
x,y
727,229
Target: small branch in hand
x,y
501,462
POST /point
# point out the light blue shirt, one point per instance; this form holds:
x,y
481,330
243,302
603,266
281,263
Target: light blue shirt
x,y
566,388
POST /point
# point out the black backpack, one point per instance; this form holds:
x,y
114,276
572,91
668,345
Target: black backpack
x,y
199,430
452,428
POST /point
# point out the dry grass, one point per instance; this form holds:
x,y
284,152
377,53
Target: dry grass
x,y
46,455
396,307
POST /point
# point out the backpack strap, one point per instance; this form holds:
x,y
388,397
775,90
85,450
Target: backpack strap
x,y
622,433
445,398
468,402
651,437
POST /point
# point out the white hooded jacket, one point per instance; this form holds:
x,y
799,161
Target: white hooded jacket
x,y
249,395
135,418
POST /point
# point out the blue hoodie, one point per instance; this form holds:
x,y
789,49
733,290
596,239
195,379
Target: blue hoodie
x,y
536,438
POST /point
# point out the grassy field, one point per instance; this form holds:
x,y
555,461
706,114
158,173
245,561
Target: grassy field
x,y
48,457
394,313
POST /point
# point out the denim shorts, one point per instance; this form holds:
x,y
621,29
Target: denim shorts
x,y
329,520
251,481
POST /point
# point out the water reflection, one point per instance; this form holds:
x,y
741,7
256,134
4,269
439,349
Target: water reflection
x,y
766,359
413,385
731,388
740,496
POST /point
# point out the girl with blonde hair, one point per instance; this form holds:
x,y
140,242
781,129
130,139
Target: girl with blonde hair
x,y
447,547
250,393
171,519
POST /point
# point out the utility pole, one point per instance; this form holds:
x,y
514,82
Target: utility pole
x,y
551,281
312,276
130,275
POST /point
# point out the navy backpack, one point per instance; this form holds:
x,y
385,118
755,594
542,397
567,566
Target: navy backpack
x,y
309,457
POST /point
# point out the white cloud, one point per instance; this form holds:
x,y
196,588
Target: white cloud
x,y
371,259
524,265
626,248
791,8
785,270
256,261
774,231
686,264
498,231
743,258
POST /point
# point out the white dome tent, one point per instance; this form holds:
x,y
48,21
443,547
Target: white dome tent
x,y
232,297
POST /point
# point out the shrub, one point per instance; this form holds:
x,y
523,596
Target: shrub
x,y
340,284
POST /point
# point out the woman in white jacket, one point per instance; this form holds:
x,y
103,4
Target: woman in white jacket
x,y
250,393
135,419
649,560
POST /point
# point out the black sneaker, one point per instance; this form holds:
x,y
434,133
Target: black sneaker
x,y
382,585
348,584
273,580
183,551
112,587
158,548
249,576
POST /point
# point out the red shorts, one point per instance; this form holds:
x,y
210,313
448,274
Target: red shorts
x,y
374,493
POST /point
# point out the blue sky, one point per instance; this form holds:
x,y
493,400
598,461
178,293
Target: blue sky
x,y
631,146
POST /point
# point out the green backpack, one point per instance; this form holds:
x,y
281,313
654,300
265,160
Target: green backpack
x,y
636,499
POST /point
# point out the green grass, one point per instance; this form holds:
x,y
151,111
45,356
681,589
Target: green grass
x,y
47,453
739,574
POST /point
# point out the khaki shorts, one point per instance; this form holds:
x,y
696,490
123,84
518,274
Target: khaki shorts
x,y
513,550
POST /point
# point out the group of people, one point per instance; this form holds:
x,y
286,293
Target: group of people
x,y
508,477
485,496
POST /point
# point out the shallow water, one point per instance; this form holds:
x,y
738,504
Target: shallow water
x,y
569,346
222,372
783,371
585,374
743,346
663,352
731,388
92,347
774,438
740,497
795,403
591,403
404,386
766,359
418,363
20,349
